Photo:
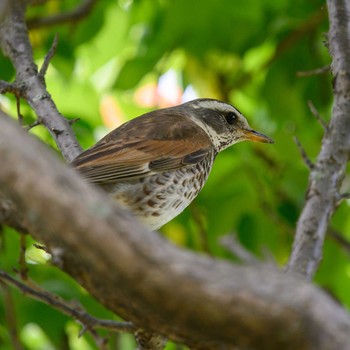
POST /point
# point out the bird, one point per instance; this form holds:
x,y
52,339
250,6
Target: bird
x,y
156,164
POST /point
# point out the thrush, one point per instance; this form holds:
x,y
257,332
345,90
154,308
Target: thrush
x,y
156,164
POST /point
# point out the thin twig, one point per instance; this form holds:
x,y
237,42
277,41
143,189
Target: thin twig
x,y
89,322
308,26
231,243
73,121
345,195
49,56
339,238
261,188
305,157
317,71
18,108
77,14
100,341
17,92
31,126
340,197
8,87
283,224
317,115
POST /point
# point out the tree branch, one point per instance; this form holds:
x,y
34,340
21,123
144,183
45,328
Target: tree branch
x,y
77,14
88,321
15,44
303,154
315,113
232,244
151,280
316,71
48,57
329,171
8,87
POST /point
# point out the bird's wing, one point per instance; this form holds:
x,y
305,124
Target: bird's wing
x,y
143,147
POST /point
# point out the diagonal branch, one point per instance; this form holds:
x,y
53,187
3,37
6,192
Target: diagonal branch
x,y
303,154
15,44
48,57
314,111
328,173
143,278
88,321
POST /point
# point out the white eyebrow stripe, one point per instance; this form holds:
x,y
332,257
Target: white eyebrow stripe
x,y
212,104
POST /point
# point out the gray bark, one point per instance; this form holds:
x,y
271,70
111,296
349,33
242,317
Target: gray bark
x,y
142,277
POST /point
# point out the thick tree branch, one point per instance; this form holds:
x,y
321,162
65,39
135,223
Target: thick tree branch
x,y
328,173
15,44
136,273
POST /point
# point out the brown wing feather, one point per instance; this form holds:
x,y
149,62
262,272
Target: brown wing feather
x,y
144,146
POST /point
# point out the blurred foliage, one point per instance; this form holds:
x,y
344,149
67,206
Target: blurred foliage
x,y
130,56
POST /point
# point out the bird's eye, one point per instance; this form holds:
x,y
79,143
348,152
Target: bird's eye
x,y
231,117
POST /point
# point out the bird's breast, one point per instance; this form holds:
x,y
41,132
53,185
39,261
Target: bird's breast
x,y
158,198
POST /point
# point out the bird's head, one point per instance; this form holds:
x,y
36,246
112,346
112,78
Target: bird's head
x,y
224,124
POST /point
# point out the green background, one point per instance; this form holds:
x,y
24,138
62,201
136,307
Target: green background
x,y
248,53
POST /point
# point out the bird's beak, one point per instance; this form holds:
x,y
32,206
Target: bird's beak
x,y
256,136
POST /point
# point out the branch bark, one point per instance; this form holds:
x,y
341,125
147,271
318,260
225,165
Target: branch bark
x,y
15,44
323,197
190,298
88,321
